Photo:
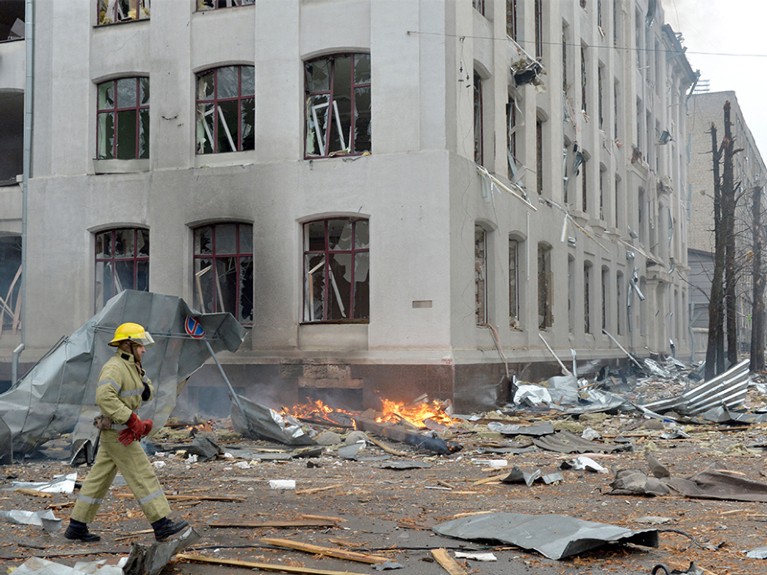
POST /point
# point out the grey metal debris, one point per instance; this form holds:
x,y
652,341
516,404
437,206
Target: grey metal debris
x,y
150,560
728,389
566,442
56,396
554,536
45,519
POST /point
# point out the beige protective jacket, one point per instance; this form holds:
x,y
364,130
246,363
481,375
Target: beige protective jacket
x,y
120,387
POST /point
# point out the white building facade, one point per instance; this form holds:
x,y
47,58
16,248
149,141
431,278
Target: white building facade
x,y
395,197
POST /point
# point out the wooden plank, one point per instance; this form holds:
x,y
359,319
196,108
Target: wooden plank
x,y
326,551
233,498
318,489
449,564
286,523
34,492
263,566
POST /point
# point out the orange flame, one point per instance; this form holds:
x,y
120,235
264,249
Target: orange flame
x,y
391,412
417,414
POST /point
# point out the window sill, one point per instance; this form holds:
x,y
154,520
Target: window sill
x,y
120,166
333,336
244,158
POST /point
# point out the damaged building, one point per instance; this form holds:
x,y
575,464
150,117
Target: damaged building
x,y
706,110
393,198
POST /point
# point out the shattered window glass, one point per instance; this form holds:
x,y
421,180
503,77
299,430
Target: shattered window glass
x,y
10,281
122,262
123,119
478,136
336,270
117,11
226,110
223,269
480,275
545,287
513,282
203,5
338,105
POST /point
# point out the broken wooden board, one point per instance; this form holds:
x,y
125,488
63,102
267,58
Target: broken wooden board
x,y
326,551
274,523
263,566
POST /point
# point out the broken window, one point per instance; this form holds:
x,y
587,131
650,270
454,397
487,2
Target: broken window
x,y
619,304
570,293
511,138
539,29
477,119
115,11
545,287
616,108
514,284
600,94
587,297
10,281
226,109
584,81
203,5
338,105
602,176
123,119
511,18
605,296
122,262
539,156
480,274
565,44
223,269
336,270
584,184
479,6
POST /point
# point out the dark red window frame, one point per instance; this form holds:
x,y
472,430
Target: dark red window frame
x,y
110,104
319,262
220,103
357,137
238,298
132,256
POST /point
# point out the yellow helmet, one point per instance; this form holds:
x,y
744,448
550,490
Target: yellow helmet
x,y
131,332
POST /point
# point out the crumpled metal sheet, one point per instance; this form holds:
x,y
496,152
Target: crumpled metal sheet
x,y
554,536
713,484
152,559
260,422
57,396
566,442
728,389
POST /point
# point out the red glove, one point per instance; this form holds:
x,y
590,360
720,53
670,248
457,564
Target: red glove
x,y
126,437
139,427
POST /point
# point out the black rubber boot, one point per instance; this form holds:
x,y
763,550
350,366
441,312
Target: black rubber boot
x,y
78,531
164,528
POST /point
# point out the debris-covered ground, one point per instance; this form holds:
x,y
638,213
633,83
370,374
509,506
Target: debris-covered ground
x,y
375,501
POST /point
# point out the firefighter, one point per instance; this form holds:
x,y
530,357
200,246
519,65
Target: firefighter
x,y
122,386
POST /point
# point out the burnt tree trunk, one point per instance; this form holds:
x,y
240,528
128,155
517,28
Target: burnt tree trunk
x,y
715,344
757,310
728,229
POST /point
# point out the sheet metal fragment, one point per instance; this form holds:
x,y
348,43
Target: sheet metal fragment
x,y
728,389
554,536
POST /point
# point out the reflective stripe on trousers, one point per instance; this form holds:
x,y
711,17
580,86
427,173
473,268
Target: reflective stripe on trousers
x,y
133,464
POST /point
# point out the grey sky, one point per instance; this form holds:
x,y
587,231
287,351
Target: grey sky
x,y
727,41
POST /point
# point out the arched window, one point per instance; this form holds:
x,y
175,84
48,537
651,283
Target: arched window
x,y
223,269
338,106
226,109
122,262
336,270
123,119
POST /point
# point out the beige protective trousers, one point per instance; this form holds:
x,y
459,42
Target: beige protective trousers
x,y
133,464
